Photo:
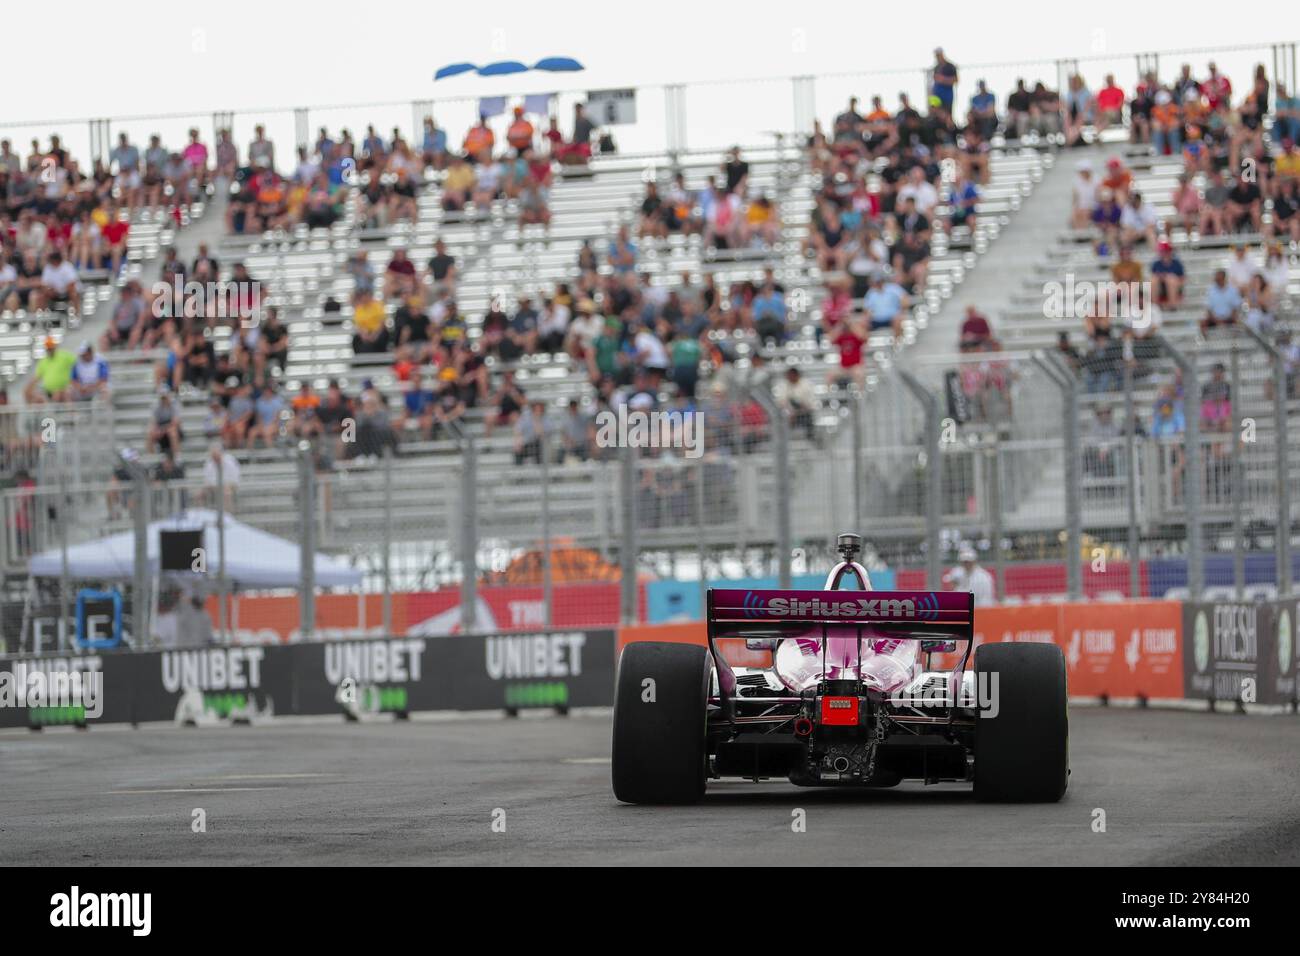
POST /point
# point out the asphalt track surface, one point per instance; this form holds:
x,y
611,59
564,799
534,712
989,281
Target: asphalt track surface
x,y
1176,787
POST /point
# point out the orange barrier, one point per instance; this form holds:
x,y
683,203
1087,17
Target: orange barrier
x,y
1124,649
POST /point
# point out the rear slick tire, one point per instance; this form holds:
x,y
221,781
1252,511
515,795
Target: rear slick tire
x,y
660,704
1022,753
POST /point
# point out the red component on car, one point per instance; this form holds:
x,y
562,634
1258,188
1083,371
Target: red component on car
x,y
803,727
839,711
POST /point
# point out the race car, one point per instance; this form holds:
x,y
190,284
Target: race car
x,y
840,687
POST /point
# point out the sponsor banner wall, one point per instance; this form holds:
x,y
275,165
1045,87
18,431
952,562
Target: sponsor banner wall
x,y
1235,651
557,668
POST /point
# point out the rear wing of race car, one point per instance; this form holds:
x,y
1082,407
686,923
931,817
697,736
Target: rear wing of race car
x,y
908,614
766,614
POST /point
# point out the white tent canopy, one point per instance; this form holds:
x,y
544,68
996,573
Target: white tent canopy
x,y
254,559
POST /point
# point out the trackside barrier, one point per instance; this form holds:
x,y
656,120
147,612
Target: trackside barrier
x,y
1224,652
555,669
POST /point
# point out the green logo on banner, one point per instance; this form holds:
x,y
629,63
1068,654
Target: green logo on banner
x,y
540,694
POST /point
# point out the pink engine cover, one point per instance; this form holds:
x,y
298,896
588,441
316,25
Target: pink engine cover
x,y
887,662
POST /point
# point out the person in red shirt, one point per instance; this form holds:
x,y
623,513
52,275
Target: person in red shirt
x,y
1110,104
851,339
115,232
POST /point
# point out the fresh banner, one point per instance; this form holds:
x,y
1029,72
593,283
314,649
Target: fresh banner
x,y
1227,642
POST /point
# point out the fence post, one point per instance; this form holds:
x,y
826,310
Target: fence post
x,y
855,410
1281,441
469,531
65,577
934,477
307,543
995,514
1192,496
627,549
1130,467
222,622
140,599
1066,379
388,541
1236,489
548,595
781,485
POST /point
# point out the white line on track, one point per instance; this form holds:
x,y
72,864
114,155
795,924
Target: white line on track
x,y
195,790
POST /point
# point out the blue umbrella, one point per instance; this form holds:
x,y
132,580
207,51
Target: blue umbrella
x,y
454,69
503,68
558,64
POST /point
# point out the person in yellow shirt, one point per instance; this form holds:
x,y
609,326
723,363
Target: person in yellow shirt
x,y
370,326
458,184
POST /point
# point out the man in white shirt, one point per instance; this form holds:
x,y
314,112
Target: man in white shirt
x,y
1138,222
921,191
969,576
60,282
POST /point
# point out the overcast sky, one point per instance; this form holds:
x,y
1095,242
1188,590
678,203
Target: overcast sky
x,y
241,54
254,53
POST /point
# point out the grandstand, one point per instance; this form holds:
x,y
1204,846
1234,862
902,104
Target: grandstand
x,y
864,441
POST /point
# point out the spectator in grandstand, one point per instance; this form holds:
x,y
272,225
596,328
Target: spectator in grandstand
x,y
578,150
507,403
1084,192
261,151
983,114
399,276
433,144
272,344
1110,104
963,197
976,330
534,201
370,325
446,405
943,81
168,469
1222,302
794,395
911,250
850,337
52,377
969,576
622,252
89,375
529,428
269,407
1241,268
1259,304
1168,277
1245,206
1138,222
1101,450
60,284
165,424
885,306
1081,110
1214,218
1167,420
1105,219
458,185
576,434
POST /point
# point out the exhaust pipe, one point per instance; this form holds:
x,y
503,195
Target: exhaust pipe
x,y
840,764
803,727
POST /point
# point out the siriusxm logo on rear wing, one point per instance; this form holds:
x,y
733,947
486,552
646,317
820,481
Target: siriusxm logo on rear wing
x,y
864,608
